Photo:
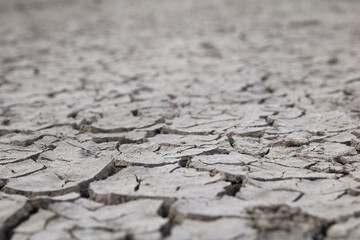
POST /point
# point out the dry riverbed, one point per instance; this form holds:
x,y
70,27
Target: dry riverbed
x,y
197,120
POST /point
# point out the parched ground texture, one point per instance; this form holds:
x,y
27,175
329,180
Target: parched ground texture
x,y
201,119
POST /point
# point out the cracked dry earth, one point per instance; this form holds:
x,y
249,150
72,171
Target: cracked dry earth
x,y
180,119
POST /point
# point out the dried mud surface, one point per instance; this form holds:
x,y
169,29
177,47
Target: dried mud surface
x,y
180,119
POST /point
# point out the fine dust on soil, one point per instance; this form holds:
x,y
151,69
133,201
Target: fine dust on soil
x,y
200,119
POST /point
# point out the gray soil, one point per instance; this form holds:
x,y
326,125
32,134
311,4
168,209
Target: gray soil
x,y
197,120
